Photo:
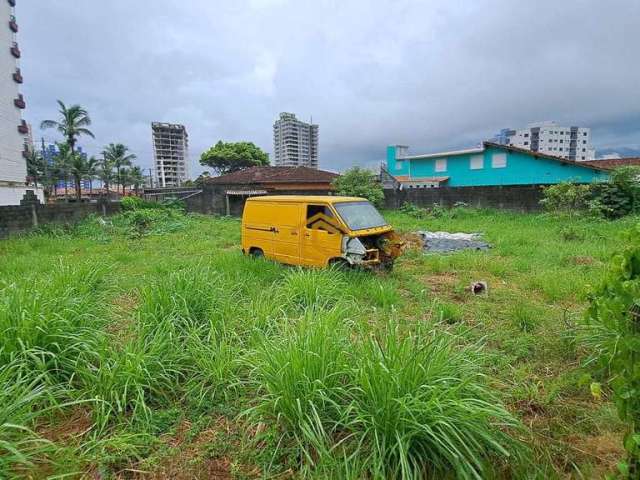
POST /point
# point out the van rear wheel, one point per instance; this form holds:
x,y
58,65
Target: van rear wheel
x,y
256,253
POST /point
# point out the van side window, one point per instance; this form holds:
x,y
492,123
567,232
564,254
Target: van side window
x,y
319,217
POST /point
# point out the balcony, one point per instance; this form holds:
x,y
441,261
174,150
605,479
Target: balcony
x,y
19,102
15,51
17,76
12,3
13,25
23,128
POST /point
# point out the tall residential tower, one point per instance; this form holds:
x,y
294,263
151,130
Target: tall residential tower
x,y
573,143
170,154
295,143
13,129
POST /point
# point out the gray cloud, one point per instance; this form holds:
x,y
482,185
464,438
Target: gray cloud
x,y
433,75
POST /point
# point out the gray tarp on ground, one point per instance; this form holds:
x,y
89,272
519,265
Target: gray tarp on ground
x,y
452,242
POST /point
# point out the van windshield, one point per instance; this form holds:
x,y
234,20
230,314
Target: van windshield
x,y
360,215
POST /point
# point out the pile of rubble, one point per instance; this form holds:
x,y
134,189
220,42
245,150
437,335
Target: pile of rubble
x,y
445,242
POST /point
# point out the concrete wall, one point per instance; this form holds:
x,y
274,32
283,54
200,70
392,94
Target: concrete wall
x,y
212,200
511,197
22,218
11,195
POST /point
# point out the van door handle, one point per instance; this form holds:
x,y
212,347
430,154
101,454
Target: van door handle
x,y
294,233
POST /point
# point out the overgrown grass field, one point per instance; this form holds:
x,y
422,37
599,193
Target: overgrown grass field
x,y
147,346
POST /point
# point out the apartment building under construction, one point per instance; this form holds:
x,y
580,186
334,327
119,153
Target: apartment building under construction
x,y
171,154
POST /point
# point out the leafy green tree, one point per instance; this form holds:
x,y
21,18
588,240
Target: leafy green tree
x,y
613,335
73,122
566,197
227,157
360,182
118,154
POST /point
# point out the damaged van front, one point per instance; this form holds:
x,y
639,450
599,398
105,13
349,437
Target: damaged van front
x,y
368,239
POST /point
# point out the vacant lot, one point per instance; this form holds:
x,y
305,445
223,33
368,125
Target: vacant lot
x,y
149,347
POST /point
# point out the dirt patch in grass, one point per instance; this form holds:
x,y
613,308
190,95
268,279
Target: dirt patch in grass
x,y
441,282
603,452
69,427
207,454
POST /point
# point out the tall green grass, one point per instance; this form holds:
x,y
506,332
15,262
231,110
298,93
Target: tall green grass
x,y
421,406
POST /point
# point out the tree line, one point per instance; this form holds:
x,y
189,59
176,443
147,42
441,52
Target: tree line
x,y
114,169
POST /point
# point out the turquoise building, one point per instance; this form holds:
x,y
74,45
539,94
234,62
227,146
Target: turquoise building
x,y
490,164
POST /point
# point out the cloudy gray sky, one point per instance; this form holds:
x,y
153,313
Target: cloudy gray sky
x,y
430,74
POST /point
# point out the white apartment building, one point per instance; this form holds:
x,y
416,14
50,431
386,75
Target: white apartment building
x,y
170,154
295,143
572,143
13,129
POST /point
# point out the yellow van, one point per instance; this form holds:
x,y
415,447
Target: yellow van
x,y
318,231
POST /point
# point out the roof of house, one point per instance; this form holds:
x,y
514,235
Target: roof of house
x,y
613,163
275,175
566,161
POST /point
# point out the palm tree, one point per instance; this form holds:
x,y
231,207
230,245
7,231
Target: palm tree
x,y
73,122
92,173
136,178
118,155
105,172
62,164
35,166
80,168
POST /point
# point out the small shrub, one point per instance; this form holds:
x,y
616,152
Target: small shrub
x,y
413,210
137,203
566,197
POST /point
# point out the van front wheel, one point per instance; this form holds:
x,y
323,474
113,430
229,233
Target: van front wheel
x,y
256,253
339,264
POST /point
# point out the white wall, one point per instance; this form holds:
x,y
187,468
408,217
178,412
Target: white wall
x,y
13,195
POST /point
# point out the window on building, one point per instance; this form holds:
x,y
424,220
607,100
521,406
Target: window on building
x,y
560,148
499,160
561,141
476,162
561,133
582,158
584,133
526,143
584,142
441,165
584,149
526,135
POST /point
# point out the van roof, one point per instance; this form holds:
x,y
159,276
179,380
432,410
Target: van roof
x,y
305,198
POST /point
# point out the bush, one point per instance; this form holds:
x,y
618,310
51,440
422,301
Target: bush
x,y
137,203
566,197
612,334
360,182
615,198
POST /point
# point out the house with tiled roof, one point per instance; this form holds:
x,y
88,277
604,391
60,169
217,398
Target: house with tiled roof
x,y
277,179
613,163
489,164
